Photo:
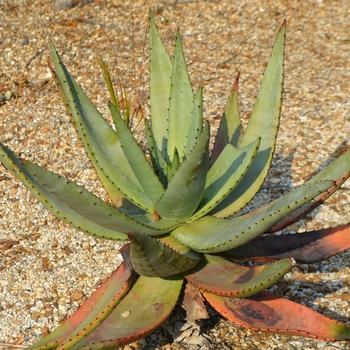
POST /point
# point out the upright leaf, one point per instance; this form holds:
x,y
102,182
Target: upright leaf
x,y
158,161
197,122
100,141
136,158
160,83
230,130
224,175
116,196
263,123
185,190
180,117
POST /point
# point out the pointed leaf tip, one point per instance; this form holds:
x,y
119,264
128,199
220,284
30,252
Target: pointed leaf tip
x,y
270,313
222,277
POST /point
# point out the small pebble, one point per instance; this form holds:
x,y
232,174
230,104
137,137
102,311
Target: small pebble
x,y
62,5
25,41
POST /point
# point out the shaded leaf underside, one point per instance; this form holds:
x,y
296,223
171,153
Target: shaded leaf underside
x,y
306,247
151,257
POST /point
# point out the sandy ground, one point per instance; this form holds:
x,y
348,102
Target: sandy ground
x,y
52,268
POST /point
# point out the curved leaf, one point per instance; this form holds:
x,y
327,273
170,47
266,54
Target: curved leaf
x,y
338,171
270,313
93,311
74,204
305,248
144,308
217,275
116,196
213,235
100,140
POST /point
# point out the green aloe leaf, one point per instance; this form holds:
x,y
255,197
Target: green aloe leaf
x,y
130,320
180,118
152,220
137,160
217,275
173,167
100,140
74,204
94,310
230,130
270,313
197,119
174,244
160,84
338,171
116,196
213,235
224,175
151,257
159,163
185,190
263,123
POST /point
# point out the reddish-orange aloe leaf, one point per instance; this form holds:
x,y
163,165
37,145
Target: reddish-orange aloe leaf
x,y
269,313
94,310
307,247
145,307
220,276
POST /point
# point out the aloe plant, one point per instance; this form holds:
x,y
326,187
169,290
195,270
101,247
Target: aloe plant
x,y
179,212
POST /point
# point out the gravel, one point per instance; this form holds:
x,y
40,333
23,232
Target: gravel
x,y
48,269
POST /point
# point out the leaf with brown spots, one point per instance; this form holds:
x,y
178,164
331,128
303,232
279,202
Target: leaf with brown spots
x,y
217,275
269,313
